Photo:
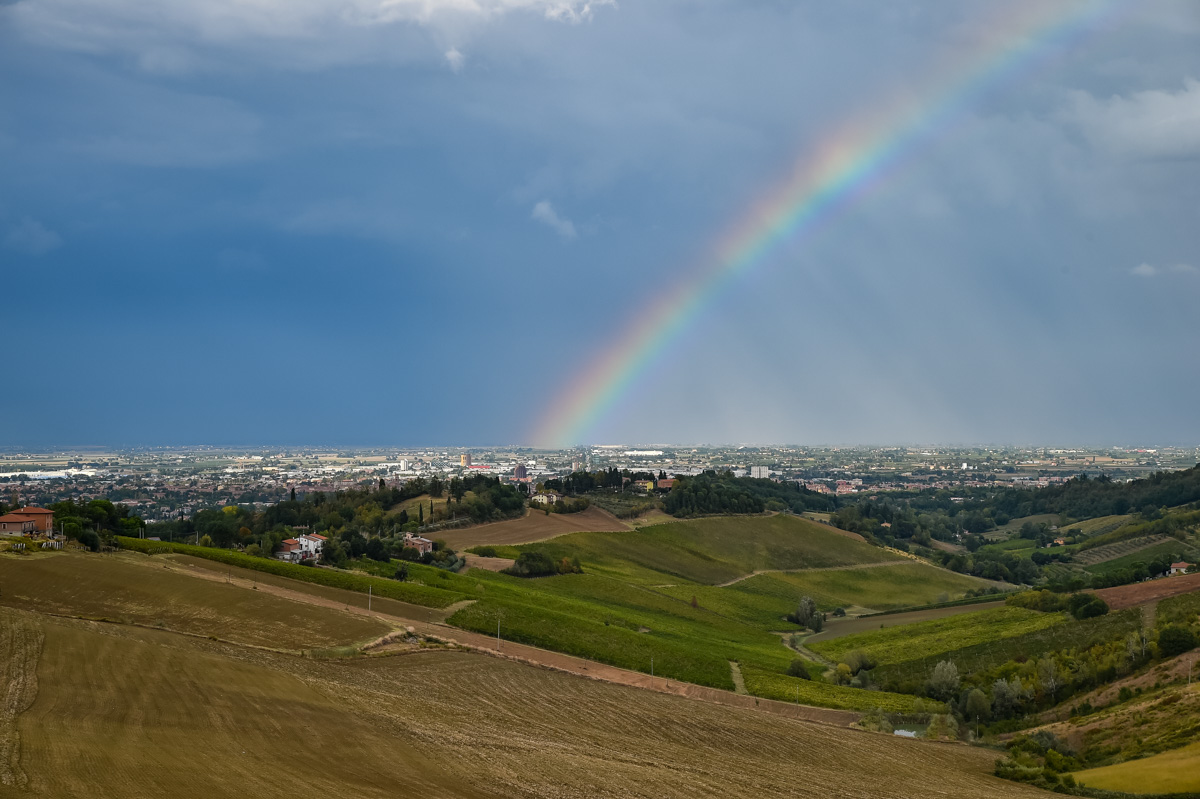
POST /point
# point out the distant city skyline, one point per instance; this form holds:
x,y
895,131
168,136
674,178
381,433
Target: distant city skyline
x,y
557,221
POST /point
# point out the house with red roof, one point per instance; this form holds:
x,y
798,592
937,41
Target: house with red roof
x,y
26,521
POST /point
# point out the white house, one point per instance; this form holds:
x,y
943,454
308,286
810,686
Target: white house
x,y
306,547
1179,568
546,499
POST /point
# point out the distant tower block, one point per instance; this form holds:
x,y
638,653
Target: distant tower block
x,y
520,472
760,471
465,459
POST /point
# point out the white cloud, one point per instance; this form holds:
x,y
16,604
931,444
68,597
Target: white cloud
x,y
1154,124
1149,270
544,212
455,59
32,237
166,37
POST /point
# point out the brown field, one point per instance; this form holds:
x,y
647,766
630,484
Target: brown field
x,y
133,589
1128,596
120,711
535,526
836,628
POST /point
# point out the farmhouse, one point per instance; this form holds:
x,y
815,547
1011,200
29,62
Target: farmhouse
x,y
16,524
289,550
42,521
1179,568
418,543
306,547
546,499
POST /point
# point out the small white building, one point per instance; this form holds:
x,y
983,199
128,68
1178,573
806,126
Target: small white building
x,y
1179,568
546,499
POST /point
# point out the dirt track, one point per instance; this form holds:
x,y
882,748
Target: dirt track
x,y
535,656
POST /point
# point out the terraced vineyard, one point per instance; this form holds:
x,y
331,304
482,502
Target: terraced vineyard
x,y
1090,557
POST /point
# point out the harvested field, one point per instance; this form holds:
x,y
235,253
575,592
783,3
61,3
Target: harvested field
x,y
1128,596
490,564
156,714
134,589
535,526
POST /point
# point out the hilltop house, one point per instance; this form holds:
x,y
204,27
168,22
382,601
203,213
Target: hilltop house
x,y
306,547
26,521
546,499
16,524
418,543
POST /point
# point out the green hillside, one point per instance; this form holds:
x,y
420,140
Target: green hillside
x,y
714,550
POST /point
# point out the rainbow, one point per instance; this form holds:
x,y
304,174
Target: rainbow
x,y
829,178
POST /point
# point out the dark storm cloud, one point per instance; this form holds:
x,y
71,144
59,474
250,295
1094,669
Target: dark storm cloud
x,y
411,221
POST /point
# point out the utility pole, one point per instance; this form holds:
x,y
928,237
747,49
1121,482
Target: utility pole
x,y
651,667
369,588
497,633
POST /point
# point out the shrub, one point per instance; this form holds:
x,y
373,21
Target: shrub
x,y
1175,640
1086,606
798,668
90,540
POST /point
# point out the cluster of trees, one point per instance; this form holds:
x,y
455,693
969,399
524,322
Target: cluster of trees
x,y
563,505
922,516
990,565
712,493
807,615
352,515
539,564
1086,497
1079,605
612,479
96,520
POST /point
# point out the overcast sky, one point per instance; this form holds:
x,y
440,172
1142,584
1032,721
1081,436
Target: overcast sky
x,y
414,221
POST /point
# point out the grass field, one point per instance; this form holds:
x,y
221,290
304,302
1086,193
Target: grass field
x,y
903,584
131,589
1171,772
933,638
811,692
155,714
714,550
1017,637
1100,525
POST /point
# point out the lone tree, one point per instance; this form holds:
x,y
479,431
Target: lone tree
x,y
943,683
806,614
